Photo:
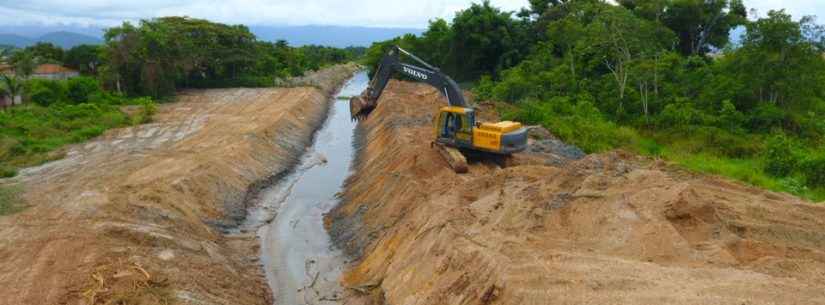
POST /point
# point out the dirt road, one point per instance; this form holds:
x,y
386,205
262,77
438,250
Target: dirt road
x,y
606,229
136,216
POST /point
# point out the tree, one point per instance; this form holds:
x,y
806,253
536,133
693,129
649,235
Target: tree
x,y
538,8
12,86
434,44
84,58
781,61
45,52
162,54
597,38
6,53
79,89
485,40
24,63
700,25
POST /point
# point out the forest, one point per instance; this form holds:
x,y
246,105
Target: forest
x,y
138,66
658,77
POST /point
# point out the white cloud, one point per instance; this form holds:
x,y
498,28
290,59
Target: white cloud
x,y
796,8
394,13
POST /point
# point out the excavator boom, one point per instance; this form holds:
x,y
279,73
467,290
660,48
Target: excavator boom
x,y
362,105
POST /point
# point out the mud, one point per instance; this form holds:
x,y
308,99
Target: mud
x,y
137,216
610,228
301,264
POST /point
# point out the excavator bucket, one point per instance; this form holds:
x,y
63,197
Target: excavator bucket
x,y
360,107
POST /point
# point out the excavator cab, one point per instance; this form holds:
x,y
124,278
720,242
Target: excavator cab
x,y
454,126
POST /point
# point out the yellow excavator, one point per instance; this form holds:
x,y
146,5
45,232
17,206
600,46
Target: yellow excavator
x,y
455,126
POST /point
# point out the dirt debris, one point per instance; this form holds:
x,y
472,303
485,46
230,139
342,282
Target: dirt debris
x,y
136,216
610,228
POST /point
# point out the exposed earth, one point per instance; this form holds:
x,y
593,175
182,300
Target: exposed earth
x,y
610,228
137,215
153,214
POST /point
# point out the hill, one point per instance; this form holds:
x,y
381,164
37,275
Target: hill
x,y
63,39
68,36
68,40
15,40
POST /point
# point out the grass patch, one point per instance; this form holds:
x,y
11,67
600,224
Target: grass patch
x,y
747,170
33,134
707,150
10,200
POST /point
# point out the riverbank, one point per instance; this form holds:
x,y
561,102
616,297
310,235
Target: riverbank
x,y
556,228
138,215
301,264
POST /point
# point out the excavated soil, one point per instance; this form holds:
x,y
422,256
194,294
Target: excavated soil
x,y
610,228
137,215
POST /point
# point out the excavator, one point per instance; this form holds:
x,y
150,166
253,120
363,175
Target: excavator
x,y
456,129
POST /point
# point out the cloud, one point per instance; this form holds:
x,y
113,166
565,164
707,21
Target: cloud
x,y
394,13
796,8
391,13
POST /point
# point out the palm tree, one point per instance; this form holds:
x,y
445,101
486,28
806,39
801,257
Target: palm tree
x,y
3,93
24,64
12,86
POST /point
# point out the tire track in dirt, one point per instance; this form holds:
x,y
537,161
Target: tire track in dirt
x,y
137,215
610,228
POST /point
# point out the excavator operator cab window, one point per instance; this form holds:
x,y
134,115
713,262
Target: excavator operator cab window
x,y
447,131
451,123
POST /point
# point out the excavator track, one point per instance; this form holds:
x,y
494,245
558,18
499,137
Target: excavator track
x,y
453,156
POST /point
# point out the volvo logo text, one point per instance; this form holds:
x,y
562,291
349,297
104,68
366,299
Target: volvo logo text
x,y
415,73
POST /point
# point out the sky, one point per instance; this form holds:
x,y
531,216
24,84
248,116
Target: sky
x,y
375,13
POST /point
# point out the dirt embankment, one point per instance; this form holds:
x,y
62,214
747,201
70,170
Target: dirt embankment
x,y
136,215
606,229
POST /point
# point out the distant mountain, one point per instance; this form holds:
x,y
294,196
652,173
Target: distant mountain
x,y
15,40
335,36
37,30
68,36
67,40
63,39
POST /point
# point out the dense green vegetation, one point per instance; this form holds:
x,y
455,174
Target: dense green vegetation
x,y
153,59
658,77
161,55
60,113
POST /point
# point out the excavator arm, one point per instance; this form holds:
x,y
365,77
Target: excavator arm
x,y
361,106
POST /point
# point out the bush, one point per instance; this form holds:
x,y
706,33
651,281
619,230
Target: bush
x,y
766,117
729,118
779,156
579,123
148,108
46,92
814,171
680,114
730,144
7,171
484,89
79,89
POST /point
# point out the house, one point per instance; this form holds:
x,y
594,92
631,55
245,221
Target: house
x,y
54,72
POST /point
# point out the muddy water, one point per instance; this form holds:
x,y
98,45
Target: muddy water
x,y
301,264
